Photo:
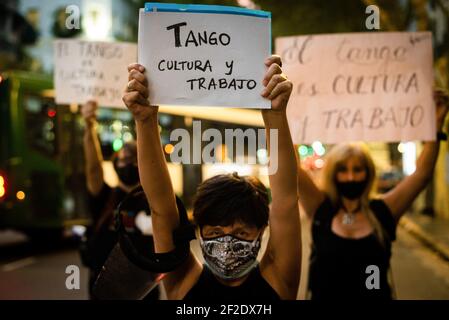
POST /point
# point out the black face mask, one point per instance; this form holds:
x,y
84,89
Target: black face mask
x,y
352,189
128,174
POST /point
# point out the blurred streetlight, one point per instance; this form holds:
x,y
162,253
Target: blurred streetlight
x,y
97,20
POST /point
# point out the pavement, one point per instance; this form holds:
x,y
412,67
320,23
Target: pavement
x,y
431,231
33,271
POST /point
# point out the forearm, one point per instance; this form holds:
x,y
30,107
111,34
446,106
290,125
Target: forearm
x,y
426,162
402,196
309,195
425,165
284,246
93,158
306,185
156,182
283,181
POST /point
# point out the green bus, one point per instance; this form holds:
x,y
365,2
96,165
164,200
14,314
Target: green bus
x,y
42,181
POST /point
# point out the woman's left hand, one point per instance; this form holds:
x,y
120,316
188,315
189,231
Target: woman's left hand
x,y
277,87
442,106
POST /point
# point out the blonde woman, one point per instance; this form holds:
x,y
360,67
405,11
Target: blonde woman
x,y
351,231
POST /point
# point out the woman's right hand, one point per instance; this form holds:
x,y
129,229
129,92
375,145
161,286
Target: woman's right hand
x,y
136,94
88,111
442,106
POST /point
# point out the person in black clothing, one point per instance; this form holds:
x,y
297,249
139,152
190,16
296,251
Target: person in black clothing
x,y
231,212
352,231
103,200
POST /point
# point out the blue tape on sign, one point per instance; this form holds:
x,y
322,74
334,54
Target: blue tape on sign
x,y
199,8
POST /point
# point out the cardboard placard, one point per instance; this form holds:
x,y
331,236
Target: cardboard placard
x,y
360,86
199,55
86,70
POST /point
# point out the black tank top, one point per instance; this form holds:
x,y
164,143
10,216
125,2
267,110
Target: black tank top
x,y
338,266
209,289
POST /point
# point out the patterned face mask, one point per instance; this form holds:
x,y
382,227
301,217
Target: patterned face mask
x,y
229,257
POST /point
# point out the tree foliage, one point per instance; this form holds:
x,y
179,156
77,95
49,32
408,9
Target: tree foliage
x,y
294,17
137,4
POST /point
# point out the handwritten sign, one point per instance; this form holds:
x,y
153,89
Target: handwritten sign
x,y
87,70
361,86
198,55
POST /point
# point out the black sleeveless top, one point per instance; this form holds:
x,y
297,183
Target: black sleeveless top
x,y
338,266
209,289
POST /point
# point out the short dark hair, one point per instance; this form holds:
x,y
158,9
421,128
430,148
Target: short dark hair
x,y
229,198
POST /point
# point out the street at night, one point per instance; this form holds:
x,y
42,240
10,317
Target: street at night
x,y
227,152
39,273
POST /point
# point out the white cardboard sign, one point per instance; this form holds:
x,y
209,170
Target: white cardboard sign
x,y
362,86
204,59
87,70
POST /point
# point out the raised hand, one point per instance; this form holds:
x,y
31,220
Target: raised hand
x,y
277,87
89,112
136,94
442,106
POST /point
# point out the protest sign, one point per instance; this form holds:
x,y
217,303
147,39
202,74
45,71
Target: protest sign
x,y
87,70
361,86
198,55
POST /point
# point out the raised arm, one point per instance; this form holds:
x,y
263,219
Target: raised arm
x,y
402,196
92,149
283,254
154,175
310,197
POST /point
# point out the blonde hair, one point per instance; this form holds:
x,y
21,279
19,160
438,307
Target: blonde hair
x,y
336,157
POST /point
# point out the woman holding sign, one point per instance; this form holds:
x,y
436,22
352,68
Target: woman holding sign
x,y
231,212
101,237
352,232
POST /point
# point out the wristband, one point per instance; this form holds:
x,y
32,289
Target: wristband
x,y
441,136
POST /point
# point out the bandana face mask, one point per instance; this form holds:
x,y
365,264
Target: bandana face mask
x,y
229,257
